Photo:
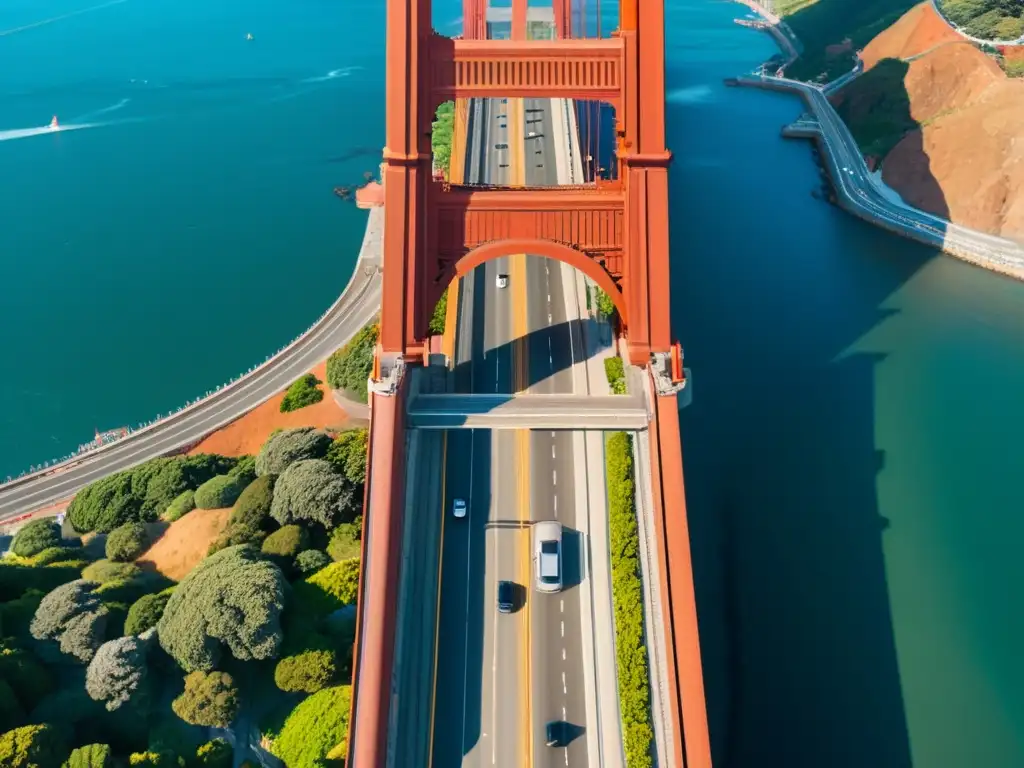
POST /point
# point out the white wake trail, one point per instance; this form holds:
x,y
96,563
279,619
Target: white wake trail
x,y
25,133
105,111
53,19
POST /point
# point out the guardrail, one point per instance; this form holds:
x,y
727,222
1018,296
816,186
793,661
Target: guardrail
x,y
73,460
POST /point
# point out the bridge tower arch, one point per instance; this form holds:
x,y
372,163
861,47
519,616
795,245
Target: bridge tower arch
x,y
623,224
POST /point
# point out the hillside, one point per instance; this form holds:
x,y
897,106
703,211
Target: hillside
x,y
946,120
987,19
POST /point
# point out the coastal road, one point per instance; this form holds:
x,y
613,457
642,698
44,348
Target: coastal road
x,y
855,184
358,304
501,677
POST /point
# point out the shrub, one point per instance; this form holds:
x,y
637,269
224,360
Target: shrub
x,y
146,612
91,756
605,305
309,671
349,368
253,507
328,589
615,372
35,537
218,492
62,555
162,759
61,606
627,595
105,571
348,454
215,754
440,315
142,492
17,579
346,541
244,470
311,491
32,746
16,615
311,561
442,130
84,634
231,598
183,503
210,698
286,542
291,445
11,712
29,680
126,542
303,391
236,535
131,589
315,728
117,671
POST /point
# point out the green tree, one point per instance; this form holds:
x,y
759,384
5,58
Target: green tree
x,y
61,606
209,698
303,391
308,672
286,542
316,728
311,561
349,368
29,680
31,746
214,754
61,554
288,446
118,671
219,492
106,571
237,535
233,598
35,537
346,540
440,316
310,491
91,756
253,506
348,453
146,612
441,135
615,372
84,634
127,542
183,503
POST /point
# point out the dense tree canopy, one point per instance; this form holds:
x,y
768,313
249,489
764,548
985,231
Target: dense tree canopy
x,y
349,368
234,598
346,540
183,503
286,542
117,671
91,756
310,561
31,746
291,445
143,492
219,492
209,698
146,612
311,491
253,506
127,542
318,727
348,454
35,537
61,606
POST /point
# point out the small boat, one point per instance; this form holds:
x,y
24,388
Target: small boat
x,y
54,125
248,36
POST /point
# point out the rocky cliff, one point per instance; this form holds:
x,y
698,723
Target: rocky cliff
x,y
959,151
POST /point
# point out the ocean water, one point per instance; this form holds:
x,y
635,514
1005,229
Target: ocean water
x,y
850,455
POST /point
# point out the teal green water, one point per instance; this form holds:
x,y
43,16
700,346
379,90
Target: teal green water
x,y
851,452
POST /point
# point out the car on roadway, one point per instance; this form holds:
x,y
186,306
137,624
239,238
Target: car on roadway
x,y
547,555
557,733
459,508
501,146
532,134
506,596
501,281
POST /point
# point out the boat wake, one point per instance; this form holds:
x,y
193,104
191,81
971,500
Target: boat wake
x,y
89,116
53,19
27,133
332,75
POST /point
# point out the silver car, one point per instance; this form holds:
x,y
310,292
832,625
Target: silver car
x,y
547,555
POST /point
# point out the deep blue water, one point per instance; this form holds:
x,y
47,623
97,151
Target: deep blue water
x,y
851,458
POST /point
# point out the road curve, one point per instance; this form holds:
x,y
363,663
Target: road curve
x,y
356,306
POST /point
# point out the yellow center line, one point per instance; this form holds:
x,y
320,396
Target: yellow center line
x,y
437,617
520,367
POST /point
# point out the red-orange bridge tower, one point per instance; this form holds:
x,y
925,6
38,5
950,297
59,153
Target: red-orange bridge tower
x,y
616,232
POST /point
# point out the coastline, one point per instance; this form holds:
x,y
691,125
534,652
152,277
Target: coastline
x,y
990,252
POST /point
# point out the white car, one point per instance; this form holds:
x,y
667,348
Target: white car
x,y
532,134
501,281
459,508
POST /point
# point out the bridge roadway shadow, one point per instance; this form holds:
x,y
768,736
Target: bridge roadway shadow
x,y
781,462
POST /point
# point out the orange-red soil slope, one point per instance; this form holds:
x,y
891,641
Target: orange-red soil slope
x,y
967,158
185,542
248,433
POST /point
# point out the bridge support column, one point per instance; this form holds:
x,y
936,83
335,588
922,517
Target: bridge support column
x,y
563,18
474,19
378,593
519,19
406,174
644,162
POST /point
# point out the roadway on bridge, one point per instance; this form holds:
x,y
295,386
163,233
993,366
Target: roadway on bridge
x,y
501,677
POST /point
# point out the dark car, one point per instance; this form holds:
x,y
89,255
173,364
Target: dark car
x,y
506,596
558,734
